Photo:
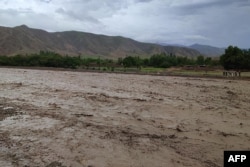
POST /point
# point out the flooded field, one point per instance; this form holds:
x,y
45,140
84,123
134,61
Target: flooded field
x,y
81,119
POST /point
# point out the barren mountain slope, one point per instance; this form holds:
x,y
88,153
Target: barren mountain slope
x,y
23,39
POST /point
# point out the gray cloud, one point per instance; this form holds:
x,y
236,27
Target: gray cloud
x,y
77,16
200,6
213,22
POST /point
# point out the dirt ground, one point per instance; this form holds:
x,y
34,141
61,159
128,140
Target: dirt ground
x,y
81,119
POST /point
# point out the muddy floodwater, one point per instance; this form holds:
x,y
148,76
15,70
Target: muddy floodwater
x,y
81,119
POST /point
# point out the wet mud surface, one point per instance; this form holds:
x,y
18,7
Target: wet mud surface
x,y
63,119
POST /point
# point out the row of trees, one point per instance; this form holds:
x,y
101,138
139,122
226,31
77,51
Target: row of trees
x,y
233,58
52,59
236,59
43,59
165,61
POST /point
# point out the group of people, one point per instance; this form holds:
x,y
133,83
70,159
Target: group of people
x,y
231,73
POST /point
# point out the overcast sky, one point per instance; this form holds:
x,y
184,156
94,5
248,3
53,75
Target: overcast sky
x,y
213,22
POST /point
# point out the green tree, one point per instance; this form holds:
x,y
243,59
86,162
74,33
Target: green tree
x,y
145,62
119,61
246,61
200,60
159,60
208,61
129,61
233,58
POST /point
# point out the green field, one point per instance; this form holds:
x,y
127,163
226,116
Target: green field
x,y
165,71
193,72
204,73
152,69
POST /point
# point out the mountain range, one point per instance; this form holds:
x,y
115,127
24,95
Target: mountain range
x,y
208,50
25,40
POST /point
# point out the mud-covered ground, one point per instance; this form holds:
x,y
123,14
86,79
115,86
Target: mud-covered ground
x,y
62,119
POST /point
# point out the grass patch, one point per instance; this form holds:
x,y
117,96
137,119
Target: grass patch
x,y
198,73
152,69
204,73
245,74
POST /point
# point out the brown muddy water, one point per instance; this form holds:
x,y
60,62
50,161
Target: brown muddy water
x,y
81,119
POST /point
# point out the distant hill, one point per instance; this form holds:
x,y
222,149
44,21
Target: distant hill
x,y
206,50
22,40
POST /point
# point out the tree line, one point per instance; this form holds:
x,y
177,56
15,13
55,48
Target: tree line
x,y
233,58
165,61
43,59
52,59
